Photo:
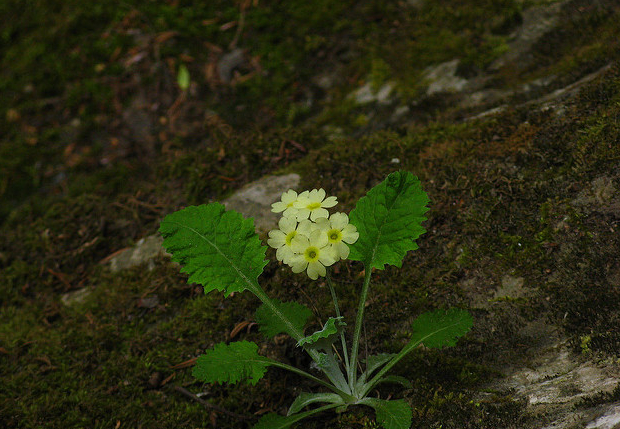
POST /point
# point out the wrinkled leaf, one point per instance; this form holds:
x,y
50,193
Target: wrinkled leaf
x,y
324,338
440,328
389,219
271,325
231,363
219,249
391,414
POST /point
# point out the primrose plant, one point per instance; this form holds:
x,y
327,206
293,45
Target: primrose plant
x,y
220,250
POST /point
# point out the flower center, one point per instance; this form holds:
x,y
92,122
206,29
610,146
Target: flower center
x,y
334,235
313,206
289,237
311,254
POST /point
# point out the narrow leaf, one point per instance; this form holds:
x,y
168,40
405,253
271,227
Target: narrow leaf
x,y
388,220
373,363
396,379
231,363
271,325
305,399
440,328
330,366
324,338
275,421
219,249
391,414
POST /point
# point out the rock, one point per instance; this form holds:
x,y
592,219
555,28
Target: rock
x,y
609,420
443,78
537,21
145,250
255,199
76,296
600,196
368,94
228,63
512,287
557,380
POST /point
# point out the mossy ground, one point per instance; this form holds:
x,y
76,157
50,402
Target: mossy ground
x,y
85,171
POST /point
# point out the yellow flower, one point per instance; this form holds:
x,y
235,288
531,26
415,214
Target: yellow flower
x,y
286,204
281,239
338,231
313,204
312,254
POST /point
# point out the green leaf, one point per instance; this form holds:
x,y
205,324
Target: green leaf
x,y
324,338
330,366
396,379
373,363
388,220
440,328
435,329
275,421
231,363
219,249
183,77
305,399
271,325
391,414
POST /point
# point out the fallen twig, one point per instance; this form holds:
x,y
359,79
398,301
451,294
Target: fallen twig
x,y
209,405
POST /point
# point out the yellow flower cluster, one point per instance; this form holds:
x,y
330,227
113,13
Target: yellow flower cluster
x,y
309,238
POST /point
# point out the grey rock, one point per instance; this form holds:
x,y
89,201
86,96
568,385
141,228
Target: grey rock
x,y
601,196
76,296
512,287
368,94
228,63
537,21
255,199
442,78
145,250
557,379
609,420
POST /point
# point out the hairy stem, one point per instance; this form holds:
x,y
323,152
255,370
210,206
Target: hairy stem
x,y
352,371
342,338
346,396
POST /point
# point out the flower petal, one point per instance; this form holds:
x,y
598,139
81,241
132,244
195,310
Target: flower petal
x,y
277,238
350,234
285,254
327,257
318,213
278,207
315,269
318,238
290,212
306,227
289,196
339,220
341,249
329,202
300,243
302,214
287,224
